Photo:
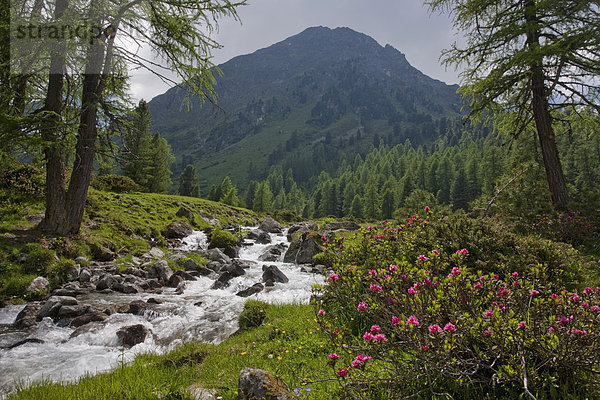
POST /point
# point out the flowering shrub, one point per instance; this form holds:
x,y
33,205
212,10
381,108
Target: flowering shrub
x,y
27,179
440,326
571,227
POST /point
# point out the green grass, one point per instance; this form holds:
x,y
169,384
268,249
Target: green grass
x,y
123,223
128,221
148,377
288,344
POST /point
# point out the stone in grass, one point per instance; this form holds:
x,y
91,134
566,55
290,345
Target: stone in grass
x,y
37,285
259,384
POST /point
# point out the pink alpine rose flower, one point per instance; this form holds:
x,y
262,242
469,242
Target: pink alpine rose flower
x,y
450,327
334,277
375,288
362,306
412,320
435,328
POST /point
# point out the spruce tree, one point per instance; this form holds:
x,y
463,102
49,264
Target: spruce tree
x,y
188,182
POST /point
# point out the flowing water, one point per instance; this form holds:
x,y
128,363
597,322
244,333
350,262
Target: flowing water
x,y
199,314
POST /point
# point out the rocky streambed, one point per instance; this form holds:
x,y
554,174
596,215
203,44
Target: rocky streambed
x,y
108,313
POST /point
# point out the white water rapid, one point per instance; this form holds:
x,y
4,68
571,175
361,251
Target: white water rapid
x,y
199,314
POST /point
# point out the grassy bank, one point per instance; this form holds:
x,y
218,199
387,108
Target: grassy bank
x,y
125,224
287,343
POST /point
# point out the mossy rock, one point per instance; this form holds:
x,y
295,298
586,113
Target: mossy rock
x,y
221,238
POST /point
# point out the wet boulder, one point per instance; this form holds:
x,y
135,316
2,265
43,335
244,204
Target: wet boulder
x,y
92,316
270,225
232,251
303,249
175,280
185,275
217,255
190,265
160,270
256,288
272,273
273,253
51,307
178,230
259,236
259,384
27,317
234,269
301,227
131,335
67,312
105,282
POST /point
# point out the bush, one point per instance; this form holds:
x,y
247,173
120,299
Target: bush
x,y
38,257
15,285
222,238
57,272
115,183
252,316
27,179
410,321
570,227
323,259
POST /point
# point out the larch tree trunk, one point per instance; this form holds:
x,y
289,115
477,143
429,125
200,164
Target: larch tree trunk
x,y
54,150
541,113
85,150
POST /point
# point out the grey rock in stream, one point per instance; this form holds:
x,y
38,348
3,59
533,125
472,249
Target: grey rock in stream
x,y
217,255
161,271
274,274
27,317
270,225
256,288
303,249
178,230
131,335
273,253
53,305
259,236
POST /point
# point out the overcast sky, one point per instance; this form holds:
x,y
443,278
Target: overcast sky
x,y
404,24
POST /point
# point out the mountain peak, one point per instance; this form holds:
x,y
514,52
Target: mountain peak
x,y
320,85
